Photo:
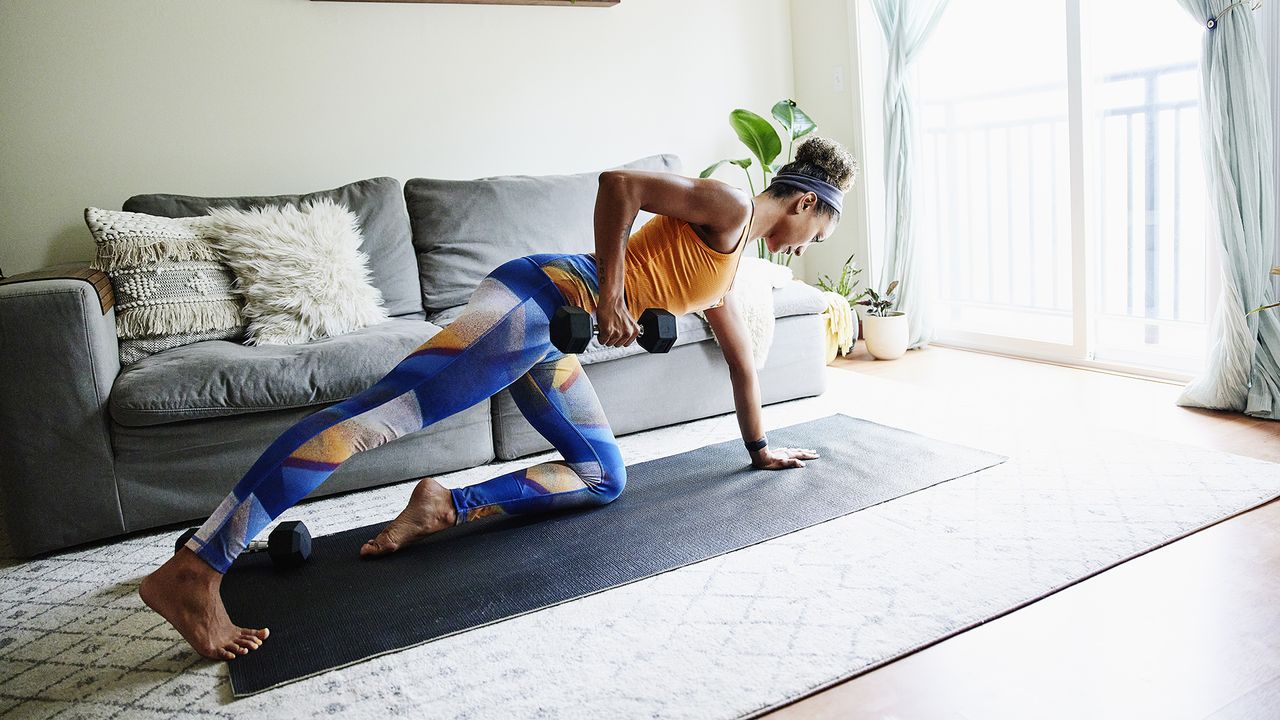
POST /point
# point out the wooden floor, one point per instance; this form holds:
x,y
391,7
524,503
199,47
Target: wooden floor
x,y
1191,630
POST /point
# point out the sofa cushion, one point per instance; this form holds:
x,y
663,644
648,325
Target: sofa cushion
x,y
462,229
797,298
378,203
794,298
217,378
694,382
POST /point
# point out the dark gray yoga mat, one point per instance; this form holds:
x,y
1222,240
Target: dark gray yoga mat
x,y
339,609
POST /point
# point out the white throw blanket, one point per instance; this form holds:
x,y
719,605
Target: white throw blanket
x,y
753,292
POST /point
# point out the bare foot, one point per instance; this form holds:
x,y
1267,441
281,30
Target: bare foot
x,y
184,590
430,509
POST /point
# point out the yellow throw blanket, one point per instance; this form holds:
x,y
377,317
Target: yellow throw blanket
x,y
842,327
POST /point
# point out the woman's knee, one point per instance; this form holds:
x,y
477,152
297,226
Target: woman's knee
x,y
612,481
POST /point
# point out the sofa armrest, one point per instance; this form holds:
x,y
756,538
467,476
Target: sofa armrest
x,y
59,357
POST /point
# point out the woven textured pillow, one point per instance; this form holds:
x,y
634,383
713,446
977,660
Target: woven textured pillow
x,y
300,269
171,288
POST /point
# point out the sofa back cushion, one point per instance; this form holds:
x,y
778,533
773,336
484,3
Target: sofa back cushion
x,y
463,229
384,223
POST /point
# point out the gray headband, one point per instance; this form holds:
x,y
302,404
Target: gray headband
x,y
828,193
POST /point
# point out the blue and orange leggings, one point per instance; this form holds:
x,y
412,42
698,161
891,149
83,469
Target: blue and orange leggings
x,y
501,340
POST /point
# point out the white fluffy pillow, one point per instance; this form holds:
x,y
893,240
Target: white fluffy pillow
x,y
300,270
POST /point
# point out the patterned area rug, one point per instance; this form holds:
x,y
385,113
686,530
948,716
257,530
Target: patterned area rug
x,y
727,637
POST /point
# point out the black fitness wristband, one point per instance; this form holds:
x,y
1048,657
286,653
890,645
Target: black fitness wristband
x,y
760,444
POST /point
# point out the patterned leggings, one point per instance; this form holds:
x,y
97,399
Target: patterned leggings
x,y
501,339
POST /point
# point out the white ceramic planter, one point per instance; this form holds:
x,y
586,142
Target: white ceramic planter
x,y
886,337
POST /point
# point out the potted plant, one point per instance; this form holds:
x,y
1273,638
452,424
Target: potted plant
x,y
842,286
763,140
884,330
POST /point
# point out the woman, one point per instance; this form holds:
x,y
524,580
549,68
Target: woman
x,y
684,259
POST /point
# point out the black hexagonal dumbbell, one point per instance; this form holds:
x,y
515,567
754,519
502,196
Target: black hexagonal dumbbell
x,y
288,545
572,328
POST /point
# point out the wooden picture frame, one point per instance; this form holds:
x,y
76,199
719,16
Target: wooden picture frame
x,y
563,3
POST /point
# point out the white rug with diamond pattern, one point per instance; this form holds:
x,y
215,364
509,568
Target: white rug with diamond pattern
x,y
727,637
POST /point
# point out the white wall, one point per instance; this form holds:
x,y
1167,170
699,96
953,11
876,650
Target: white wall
x,y
103,100
873,59
821,50
830,36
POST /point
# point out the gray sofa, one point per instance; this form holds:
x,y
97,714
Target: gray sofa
x,y
91,450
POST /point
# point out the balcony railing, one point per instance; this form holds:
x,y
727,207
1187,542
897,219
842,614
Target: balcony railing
x,y
1000,202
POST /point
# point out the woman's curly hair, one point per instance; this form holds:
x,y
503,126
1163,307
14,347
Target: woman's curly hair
x,y
824,159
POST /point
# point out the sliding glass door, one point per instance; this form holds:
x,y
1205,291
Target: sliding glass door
x,y
995,177
1061,181
1148,220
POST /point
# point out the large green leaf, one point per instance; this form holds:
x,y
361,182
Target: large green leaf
x,y
797,123
757,134
744,163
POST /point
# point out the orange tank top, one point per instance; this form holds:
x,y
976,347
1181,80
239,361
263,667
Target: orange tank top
x,y
668,266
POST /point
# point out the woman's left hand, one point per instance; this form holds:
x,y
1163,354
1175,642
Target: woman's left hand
x,y
779,458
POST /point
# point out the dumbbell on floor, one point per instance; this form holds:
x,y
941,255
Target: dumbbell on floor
x,y
288,545
572,328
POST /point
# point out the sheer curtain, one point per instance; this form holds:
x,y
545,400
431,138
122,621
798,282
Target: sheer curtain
x,y
1244,357
906,25
1269,21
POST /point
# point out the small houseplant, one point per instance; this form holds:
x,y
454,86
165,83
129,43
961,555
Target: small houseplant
x,y
845,284
763,141
884,330
844,287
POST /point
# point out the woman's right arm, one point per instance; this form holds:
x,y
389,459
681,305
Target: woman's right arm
x,y
615,212
713,204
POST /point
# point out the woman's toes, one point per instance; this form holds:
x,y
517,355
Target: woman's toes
x,y
380,545
259,633
249,641
227,654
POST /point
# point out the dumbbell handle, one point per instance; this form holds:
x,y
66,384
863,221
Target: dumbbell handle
x,y
595,329
253,546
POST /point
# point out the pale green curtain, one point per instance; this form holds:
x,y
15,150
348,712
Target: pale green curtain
x,y
906,25
1244,352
